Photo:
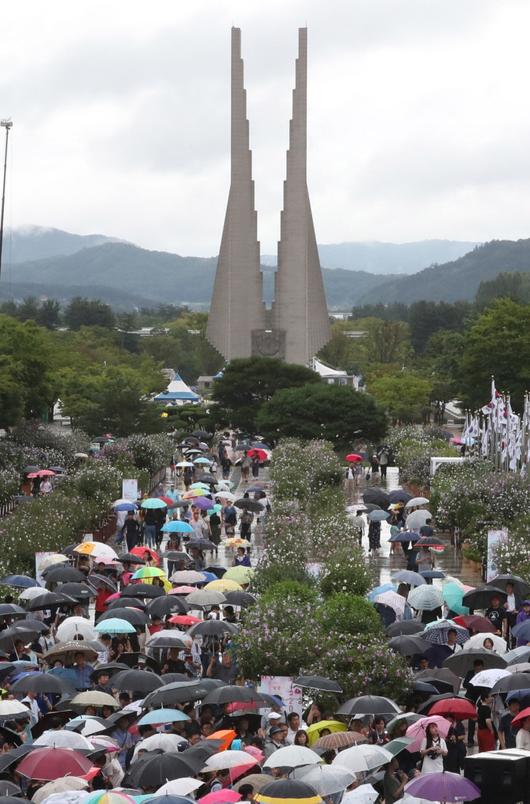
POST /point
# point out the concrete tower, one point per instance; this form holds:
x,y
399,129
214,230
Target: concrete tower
x,y
237,308
299,308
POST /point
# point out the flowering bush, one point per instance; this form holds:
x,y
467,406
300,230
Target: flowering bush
x,y
513,555
150,452
346,571
291,591
413,447
9,482
349,614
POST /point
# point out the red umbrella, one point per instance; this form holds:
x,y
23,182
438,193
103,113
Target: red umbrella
x,y
523,714
185,619
354,458
48,764
258,453
461,708
168,501
140,552
474,622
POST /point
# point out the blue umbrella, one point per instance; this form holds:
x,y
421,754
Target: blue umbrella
x,y
432,573
378,516
399,495
126,506
517,695
115,625
209,576
153,502
410,577
19,581
162,716
522,630
177,526
405,536
378,590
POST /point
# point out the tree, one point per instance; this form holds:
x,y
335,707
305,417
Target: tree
x,y
49,314
334,412
405,397
499,344
88,313
249,382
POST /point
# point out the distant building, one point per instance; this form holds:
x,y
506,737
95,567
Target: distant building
x,y
336,376
178,393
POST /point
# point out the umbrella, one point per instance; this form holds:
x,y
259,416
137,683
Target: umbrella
x,y
242,576
416,731
58,786
166,638
406,717
119,602
364,794
399,496
327,779
417,519
378,516
425,598
522,715
242,599
221,797
179,787
522,631
392,599
398,745
318,683
460,708
353,457
235,759
408,645
144,590
249,505
378,590
520,586
258,453
64,739
187,577
51,560
430,541
205,598
463,661
477,642
361,758
408,627
78,591
153,769
225,495
94,698
368,705
287,791
212,628
440,677
415,502
177,526
160,716
257,780
140,681
40,683
164,606
48,764
153,502
339,739
125,506
314,731
184,464
115,625
480,598
75,628
409,577
9,708
182,692
514,681
132,616
376,496
488,678
429,574
474,622
11,610
444,786
405,536
437,632
95,549
223,585
148,572
19,581
230,693
516,655
62,573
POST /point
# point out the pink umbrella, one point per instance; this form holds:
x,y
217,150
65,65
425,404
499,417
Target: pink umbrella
x,y
221,797
416,731
258,757
182,590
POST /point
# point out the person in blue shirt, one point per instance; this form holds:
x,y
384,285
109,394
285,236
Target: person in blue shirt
x,y
241,559
83,672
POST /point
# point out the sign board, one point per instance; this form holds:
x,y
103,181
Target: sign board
x,y
494,538
283,687
129,490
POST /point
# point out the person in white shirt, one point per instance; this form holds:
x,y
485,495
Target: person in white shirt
x,y
433,750
295,723
522,739
452,644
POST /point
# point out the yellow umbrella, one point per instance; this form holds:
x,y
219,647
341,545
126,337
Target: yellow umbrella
x,y
242,575
224,586
314,732
189,495
237,542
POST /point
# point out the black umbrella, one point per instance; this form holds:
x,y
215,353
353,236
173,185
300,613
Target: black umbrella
x,y
231,694
130,558
10,788
441,677
480,598
387,613
249,505
35,625
166,606
174,678
126,602
29,469
9,635
207,479
405,536
135,659
408,645
165,641
143,590
111,669
202,544
219,571
376,496
197,754
291,790
424,688
240,598
182,692
520,586
213,628
62,574
133,616
176,555
515,681
12,738
399,495
10,758
318,683
50,600
51,721
79,591
463,661
153,770
98,581
428,541
368,705
42,683
11,610
408,627
140,681
111,720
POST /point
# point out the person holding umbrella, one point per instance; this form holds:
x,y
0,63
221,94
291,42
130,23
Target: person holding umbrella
x,y
433,750
456,747
394,782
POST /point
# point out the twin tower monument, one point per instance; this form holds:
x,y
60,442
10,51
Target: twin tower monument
x,y
239,324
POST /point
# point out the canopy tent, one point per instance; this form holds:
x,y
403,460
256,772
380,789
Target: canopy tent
x,y
178,393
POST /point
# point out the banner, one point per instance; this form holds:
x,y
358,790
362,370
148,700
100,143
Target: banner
x,y
129,490
494,538
283,687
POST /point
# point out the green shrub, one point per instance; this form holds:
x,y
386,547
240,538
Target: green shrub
x,y
295,591
349,614
346,571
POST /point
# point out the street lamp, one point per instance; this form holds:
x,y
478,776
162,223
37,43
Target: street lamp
x,y
7,124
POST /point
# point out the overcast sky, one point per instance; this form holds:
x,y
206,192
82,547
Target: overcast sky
x,y
419,118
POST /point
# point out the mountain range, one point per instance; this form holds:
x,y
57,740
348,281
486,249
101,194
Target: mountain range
x,y
126,276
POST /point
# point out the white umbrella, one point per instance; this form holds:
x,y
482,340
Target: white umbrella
x,y
63,739
292,756
417,519
95,550
12,708
32,593
477,641
51,560
488,678
168,633
362,758
59,786
326,779
364,794
229,759
416,501
68,797
225,495
179,787
92,725
425,598
76,627
392,599
167,743
205,597
187,576
183,464
224,484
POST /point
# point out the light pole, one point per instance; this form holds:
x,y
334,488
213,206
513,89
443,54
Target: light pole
x,y
7,124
